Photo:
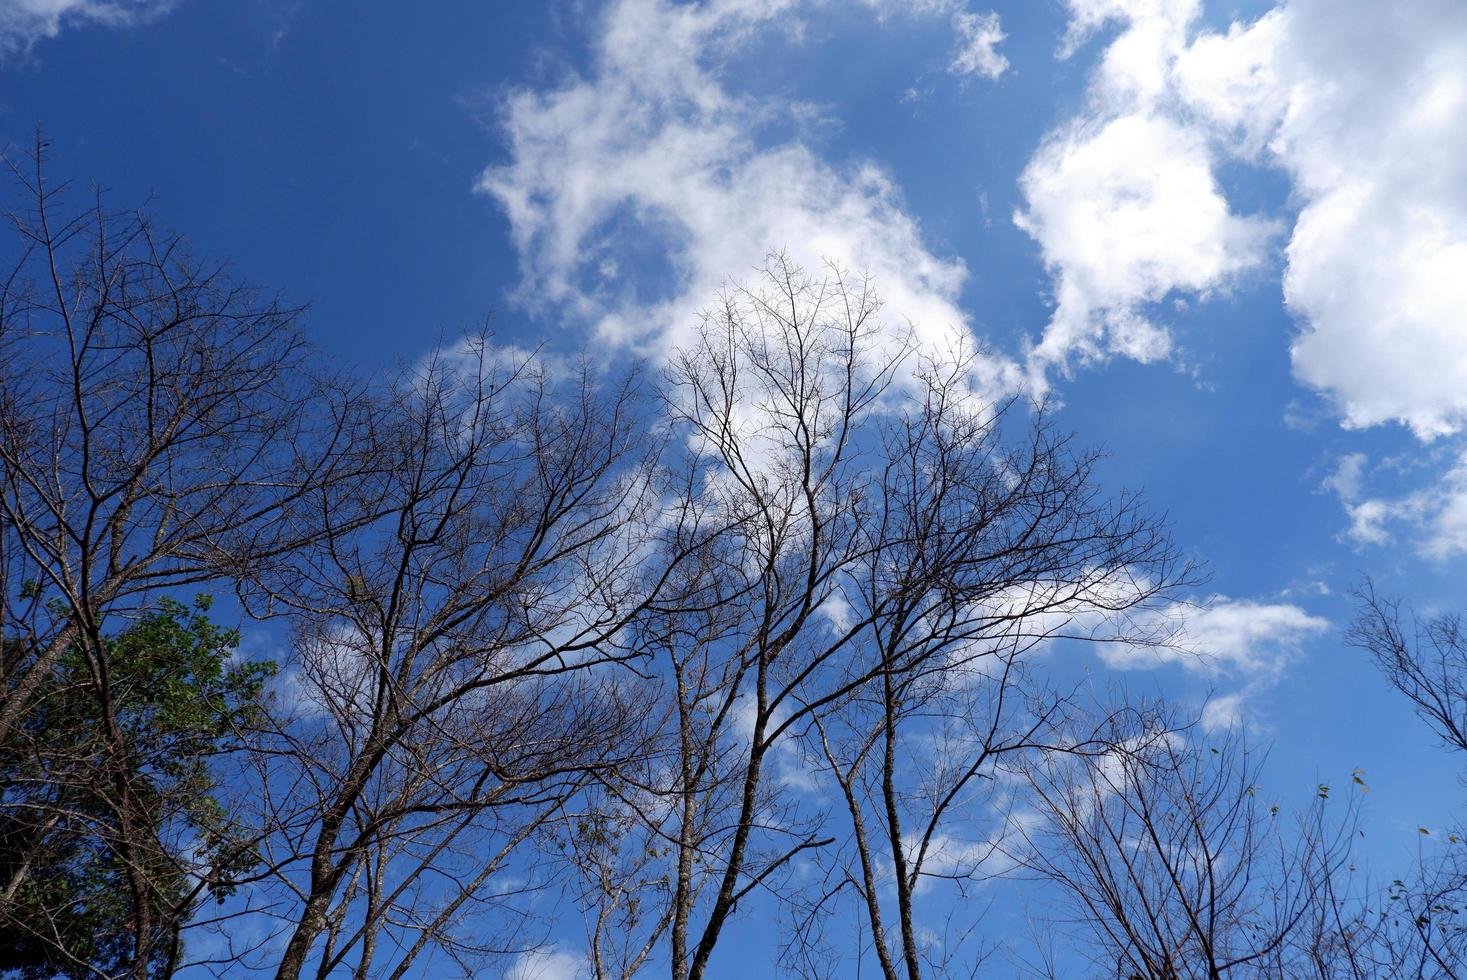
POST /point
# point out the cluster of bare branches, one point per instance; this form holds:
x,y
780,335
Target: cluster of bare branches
x,y
1172,863
1420,930
453,553
560,643
874,558
1167,851
155,435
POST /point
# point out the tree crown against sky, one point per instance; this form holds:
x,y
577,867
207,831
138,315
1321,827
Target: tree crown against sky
x,y
180,704
1223,242
513,587
635,628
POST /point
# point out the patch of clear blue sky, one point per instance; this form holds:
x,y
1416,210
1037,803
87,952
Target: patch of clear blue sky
x,y
328,149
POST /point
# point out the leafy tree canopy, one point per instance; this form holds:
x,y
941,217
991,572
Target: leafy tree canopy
x,y
110,816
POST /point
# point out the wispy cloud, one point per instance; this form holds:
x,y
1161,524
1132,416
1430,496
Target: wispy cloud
x,y
550,964
652,149
1434,517
979,36
25,23
1238,637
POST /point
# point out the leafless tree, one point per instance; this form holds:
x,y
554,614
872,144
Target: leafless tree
x,y
450,684
987,549
1172,863
766,404
1171,860
1424,660
158,430
863,538
766,633
1417,928
1359,929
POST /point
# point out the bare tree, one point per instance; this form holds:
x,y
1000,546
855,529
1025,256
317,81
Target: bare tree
x,y
156,427
767,402
1173,865
1417,928
1168,856
863,538
1424,660
986,550
449,684
766,636
157,431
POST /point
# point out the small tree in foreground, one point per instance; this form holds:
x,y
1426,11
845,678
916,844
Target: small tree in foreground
x,y
1173,864
1426,660
113,824
1422,927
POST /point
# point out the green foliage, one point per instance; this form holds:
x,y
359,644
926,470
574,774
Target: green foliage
x,y
112,782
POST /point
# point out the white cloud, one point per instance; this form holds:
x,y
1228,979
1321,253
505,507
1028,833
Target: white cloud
x,y
1218,635
837,612
651,147
979,36
25,23
1446,524
790,764
551,964
1367,517
1223,713
1368,520
1122,200
948,856
1222,635
330,674
1232,81
1348,477
1126,210
1244,640
1365,106
1435,515
1134,67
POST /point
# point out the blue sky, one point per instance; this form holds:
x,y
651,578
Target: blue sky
x,y
1229,239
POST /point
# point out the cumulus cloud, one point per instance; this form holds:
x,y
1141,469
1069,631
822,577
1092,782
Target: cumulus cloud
x,y
25,23
1123,201
1365,106
1368,518
1126,211
651,150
